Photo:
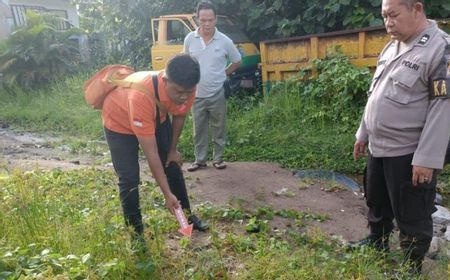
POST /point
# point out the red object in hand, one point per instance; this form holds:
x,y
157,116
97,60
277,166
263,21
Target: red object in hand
x,y
185,227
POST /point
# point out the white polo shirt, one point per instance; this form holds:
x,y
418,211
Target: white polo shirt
x,y
213,58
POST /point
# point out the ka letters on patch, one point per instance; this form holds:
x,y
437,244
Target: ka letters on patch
x,y
440,87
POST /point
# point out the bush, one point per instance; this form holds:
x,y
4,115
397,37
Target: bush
x,y
303,123
336,95
37,53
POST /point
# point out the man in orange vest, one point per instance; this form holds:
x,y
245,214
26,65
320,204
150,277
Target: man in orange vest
x,y
132,118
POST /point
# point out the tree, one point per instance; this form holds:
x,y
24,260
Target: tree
x,y
37,53
126,23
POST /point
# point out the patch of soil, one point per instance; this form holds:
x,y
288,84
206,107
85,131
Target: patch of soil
x,y
248,184
26,151
260,184
251,184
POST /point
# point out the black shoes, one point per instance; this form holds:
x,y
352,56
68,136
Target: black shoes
x,y
197,223
378,243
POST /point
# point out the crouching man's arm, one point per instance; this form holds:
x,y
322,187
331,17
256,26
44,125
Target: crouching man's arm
x,y
150,148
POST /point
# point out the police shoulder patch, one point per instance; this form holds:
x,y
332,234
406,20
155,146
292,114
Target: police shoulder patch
x,y
440,88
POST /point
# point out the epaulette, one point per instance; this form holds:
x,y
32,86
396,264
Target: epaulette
x,y
423,41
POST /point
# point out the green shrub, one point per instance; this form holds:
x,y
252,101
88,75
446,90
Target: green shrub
x,y
37,53
302,123
337,94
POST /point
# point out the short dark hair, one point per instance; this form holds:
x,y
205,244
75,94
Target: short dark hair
x,y
206,5
183,70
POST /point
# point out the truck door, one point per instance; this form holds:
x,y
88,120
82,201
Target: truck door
x,y
168,36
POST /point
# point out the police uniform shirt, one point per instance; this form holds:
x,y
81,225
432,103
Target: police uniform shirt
x,y
408,110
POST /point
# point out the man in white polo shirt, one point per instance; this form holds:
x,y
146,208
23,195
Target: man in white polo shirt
x,y
214,51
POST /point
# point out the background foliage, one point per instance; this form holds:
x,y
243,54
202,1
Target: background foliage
x,y
120,30
292,126
37,53
126,23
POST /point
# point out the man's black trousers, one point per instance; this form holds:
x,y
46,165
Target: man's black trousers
x,y
390,194
124,150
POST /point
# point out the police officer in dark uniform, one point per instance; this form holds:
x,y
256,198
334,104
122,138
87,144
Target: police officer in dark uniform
x,y
405,125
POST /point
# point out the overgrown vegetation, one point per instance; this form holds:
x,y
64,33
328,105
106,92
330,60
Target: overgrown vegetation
x,y
120,30
292,126
304,123
68,225
37,53
126,23
301,124
57,109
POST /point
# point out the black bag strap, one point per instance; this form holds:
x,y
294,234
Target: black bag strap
x,y
155,88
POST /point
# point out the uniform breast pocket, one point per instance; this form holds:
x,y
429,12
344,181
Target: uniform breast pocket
x,y
376,77
403,84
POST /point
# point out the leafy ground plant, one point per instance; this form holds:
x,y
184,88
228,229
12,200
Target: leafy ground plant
x,y
67,224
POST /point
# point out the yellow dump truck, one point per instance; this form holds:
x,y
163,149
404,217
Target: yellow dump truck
x,y
168,34
283,58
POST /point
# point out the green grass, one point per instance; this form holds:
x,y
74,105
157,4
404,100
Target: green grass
x,y
68,225
288,127
259,129
58,109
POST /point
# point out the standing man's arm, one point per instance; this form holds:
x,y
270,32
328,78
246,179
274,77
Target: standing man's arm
x,y
234,56
434,138
177,127
232,67
359,148
430,153
150,148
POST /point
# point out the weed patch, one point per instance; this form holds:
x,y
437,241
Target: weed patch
x,y
68,224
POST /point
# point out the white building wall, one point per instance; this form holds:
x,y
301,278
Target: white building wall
x,y
55,5
6,20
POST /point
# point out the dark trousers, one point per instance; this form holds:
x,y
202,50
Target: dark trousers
x,y
124,150
390,194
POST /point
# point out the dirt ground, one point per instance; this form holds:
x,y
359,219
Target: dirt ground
x,y
251,184
248,184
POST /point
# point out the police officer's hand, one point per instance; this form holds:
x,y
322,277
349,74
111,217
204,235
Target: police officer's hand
x,y
359,149
171,202
421,175
174,156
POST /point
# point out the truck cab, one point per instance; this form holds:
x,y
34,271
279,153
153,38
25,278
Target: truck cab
x,y
168,34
